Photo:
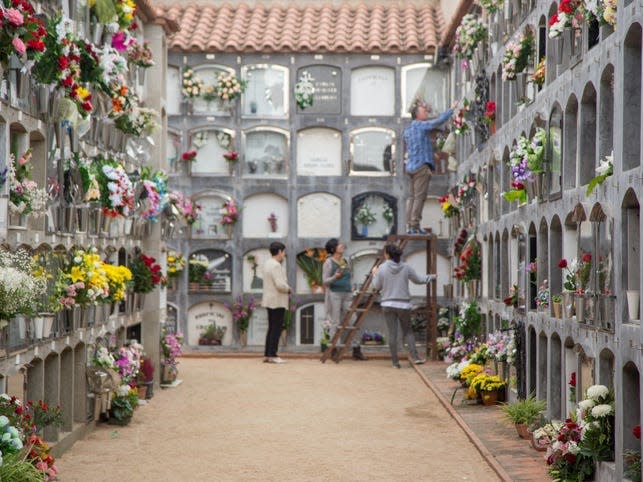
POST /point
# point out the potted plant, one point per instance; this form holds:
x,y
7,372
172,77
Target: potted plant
x,y
146,377
170,350
557,305
487,387
122,405
212,335
241,314
523,413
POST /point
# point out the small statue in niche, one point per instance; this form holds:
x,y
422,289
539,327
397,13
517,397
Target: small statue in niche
x,y
252,167
256,283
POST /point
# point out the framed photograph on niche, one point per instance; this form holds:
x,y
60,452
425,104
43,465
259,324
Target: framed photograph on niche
x,y
373,216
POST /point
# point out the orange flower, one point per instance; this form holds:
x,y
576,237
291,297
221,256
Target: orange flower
x,y
123,90
117,105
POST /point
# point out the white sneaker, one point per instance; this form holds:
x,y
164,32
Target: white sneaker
x,y
277,360
419,361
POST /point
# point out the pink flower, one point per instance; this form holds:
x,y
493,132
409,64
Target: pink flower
x,y
120,41
14,16
19,45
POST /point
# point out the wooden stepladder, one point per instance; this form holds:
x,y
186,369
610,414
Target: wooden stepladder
x,y
365,298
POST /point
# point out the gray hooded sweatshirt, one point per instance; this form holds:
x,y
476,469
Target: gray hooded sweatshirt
x,y
393,280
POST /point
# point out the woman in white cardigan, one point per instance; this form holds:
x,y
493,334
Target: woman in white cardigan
x,y
275,299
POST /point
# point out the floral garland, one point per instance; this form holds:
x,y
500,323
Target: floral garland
x,y
517,55
468,35
192,84
304,90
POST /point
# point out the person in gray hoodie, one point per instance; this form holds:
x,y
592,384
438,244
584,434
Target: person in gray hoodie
x,y
392,279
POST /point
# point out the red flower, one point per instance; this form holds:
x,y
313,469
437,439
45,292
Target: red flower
x,y
562,263
517,185
87,106
572,380
587,258
63,62
566,6
188,156
636,431
553,19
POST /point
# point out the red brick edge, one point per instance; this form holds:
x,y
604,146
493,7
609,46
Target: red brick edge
x,y
488,456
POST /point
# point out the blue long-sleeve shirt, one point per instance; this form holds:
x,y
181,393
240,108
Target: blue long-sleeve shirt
x,y
418,144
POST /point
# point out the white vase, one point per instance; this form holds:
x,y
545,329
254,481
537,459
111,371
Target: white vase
x,y
633,299
38,325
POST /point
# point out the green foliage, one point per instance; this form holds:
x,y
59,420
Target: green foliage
x,y
15,468
121,408
524,411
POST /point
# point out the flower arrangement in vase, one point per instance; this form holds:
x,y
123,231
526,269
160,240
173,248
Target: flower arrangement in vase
x,y
569,14
140,55
170,350
189,156
513,299
460,123
229,216
228,87
467,323
501,346
189,210
526,162
116,190
212,334
192,85
20,284
311,262
538,77
304,90
542,296
146,273
175,263
470,265
450,205
24,195
468,35
517,55
603,11
242,312
118,278
23,32
83,280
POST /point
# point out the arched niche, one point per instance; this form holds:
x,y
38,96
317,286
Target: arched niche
x,y
606,113
532,357
319,215
208,225
631,120
173,96
571,368
532,257
543,252
309,325
606,368
267,93
570,130
208,75
383,216
501,100
252,269
541,44
210,270
363,262
589,123
258,210
202,315
491,257
372,82
556,383
319,152
211,144
543,358
504,181
504,264
631,397
554,153
631,227
265,152
555,255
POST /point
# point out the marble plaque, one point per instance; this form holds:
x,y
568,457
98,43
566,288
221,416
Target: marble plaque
x,y
257,210
319,152
368,84
208,225
327,82
266,92
258,327
266,153
210,146
319,216
204,314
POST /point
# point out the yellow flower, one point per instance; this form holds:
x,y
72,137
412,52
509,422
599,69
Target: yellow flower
x,y
76,274
82,92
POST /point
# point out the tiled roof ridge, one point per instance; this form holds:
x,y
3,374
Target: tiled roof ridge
x,y
396,27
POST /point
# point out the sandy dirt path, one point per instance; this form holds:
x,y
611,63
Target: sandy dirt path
x,y
240,419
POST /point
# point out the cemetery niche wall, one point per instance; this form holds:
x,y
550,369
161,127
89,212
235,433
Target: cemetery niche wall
x,y
373,216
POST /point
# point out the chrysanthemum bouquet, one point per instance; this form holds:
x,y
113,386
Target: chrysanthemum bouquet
x,y
192,84
119,278
175,263
228,87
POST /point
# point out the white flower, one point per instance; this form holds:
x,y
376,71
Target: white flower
x,y
600,411
605,166
586,405
597,391
122,390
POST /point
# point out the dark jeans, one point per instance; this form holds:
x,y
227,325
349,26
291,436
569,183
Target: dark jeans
x,y
275,322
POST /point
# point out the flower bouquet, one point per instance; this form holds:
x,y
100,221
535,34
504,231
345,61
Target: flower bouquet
x,y
242,312
450,205
140,55
186,208
603,11
500,346
212,334
364,215
116,192
189,156
570,12
228,87
118,278
175,264
513,299
83,280
467,323
24,195
22,32
492,6
517,55
489,115
171,349
146,273
542,296
231,156
304,91
20,284
538,77
229,213
311,262
468,35
460,124
470,265
192,85
603,171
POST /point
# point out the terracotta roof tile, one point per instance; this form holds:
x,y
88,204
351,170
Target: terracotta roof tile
x,y
402,27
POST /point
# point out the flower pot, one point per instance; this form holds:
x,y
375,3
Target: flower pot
x,y
557,307
38,325
317,289
633,300
142,392
363,230
168,375
537,445
229,230
489,398
243,338
523,430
